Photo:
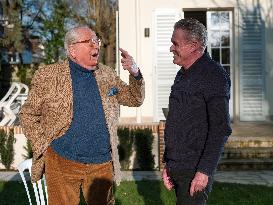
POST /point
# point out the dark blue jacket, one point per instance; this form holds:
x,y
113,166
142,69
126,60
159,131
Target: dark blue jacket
x,y
198,121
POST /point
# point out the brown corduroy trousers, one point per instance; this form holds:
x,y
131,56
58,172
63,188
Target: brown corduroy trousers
x,y
64,178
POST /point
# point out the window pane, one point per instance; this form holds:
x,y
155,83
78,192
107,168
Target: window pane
x,y
225,56
225,38
224,20
215,54
215,20
215,38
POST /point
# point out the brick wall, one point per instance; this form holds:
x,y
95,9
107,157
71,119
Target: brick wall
x,y
161,129
157,130
152,126
16,129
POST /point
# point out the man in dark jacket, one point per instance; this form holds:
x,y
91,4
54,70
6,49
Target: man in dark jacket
x,y
198,123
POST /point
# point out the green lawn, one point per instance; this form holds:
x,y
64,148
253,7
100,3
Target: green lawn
x,y
153,193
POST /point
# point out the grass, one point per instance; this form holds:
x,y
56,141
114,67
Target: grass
x,y
153,193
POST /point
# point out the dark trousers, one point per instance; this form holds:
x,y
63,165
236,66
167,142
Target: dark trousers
x,y
64,179
182,183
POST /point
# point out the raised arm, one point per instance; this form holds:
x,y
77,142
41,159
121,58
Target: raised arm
x,y
131,95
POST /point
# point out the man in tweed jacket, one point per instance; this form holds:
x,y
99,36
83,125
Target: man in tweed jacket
x,y
71,119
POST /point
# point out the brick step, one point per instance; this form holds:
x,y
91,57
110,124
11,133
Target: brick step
x,y
246,153
246,142
245,164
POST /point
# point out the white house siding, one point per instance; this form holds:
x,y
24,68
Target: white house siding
x,y
136,15
142,48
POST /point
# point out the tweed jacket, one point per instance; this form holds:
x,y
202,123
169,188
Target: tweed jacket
x,y
48,111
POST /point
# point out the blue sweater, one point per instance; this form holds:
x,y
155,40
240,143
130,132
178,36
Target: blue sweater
x,y
87,139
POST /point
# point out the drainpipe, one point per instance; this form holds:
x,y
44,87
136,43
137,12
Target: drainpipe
x,y
117,44
137,13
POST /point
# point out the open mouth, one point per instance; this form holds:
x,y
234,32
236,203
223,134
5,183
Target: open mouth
x,y
175,55
95,55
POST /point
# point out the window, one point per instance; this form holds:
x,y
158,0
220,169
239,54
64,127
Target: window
x,y
219,37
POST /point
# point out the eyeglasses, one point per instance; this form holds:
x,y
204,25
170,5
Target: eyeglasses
x,y
91,41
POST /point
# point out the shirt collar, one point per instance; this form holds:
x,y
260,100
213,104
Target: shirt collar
x,y
196,66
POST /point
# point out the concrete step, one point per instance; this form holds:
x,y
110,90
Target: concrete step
x,y
246,164
247,153
246,142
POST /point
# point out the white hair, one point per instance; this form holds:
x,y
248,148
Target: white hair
x,y
72,36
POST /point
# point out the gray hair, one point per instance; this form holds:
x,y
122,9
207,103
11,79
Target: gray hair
x,y
195,30
72,36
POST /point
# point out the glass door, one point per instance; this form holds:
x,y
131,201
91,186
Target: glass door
x,y
219,26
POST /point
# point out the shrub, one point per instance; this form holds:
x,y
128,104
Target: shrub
x,y
29,151
7,141
144,141
125,147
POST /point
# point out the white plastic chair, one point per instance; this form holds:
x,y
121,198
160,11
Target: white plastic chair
x,y
23,93
7,103
37,186
12,102
10,91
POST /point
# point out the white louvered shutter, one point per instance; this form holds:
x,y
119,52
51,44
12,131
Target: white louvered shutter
x,y
252,48
165,70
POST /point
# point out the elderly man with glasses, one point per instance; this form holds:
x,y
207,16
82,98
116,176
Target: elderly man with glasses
x,y
71,119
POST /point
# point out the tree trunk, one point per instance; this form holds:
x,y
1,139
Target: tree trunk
x,y
103,13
